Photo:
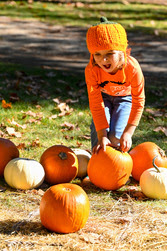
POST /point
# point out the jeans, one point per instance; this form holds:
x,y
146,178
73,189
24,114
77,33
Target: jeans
x,y
117,110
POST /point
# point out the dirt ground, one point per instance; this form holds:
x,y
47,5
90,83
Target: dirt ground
x,y
33,43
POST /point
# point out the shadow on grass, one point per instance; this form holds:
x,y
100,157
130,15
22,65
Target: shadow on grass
x,y
21,84
25,227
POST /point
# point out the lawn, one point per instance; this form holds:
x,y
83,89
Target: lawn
x,y
150,18
39,114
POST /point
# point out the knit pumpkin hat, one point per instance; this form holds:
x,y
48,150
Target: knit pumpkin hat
x,y
106,36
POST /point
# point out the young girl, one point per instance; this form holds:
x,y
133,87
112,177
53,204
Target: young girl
x,y
115,85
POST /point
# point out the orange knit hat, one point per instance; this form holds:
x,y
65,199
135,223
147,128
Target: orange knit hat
x,y
106,36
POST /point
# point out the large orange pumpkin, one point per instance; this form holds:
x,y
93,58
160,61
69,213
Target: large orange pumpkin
x,y
8,151
109,169
60,164
64,208
142,156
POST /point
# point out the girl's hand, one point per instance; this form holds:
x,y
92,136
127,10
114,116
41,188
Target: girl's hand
x,y
125,142
126,138
102,143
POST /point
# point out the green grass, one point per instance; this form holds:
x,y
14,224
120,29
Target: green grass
x,y
134,16
40,101
51,131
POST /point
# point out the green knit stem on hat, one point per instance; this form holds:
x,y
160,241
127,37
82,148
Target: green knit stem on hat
x,y
104,20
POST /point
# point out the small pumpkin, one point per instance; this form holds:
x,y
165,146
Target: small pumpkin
x,y
60,164
153,182
23,173
83,160
143,155
109,169
8,151
64,208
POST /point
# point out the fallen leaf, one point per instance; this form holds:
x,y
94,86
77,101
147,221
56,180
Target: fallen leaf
x,y
53,116
67,125
34,121
56,100
11,131
33,114
38,106
21,146
6,105
85,137
79,144
35,143
30,113
67,137
37,116
64,113
13,122
63,107
161,129
155,113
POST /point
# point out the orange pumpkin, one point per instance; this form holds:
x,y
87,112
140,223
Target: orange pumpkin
x,y
109,169
142,156
64,208
8,151
60,164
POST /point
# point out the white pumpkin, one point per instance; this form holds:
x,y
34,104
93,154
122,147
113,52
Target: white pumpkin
x,y
83,159
23,173
153,182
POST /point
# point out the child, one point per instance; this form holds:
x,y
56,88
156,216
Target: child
x,y
115,85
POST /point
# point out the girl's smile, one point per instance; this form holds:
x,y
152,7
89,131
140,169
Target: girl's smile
x,y
107,66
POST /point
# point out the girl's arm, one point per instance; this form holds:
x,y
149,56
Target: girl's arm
x,y
138,100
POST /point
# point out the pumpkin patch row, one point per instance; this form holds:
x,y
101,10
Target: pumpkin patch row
x,y
58,164
65,206
108,170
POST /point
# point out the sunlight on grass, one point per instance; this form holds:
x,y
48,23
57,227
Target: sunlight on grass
x,y
134,16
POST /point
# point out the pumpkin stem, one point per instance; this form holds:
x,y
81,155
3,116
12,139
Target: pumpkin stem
x,y
62,155
156,167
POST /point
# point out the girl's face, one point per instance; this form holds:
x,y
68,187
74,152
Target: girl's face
x,y
109,60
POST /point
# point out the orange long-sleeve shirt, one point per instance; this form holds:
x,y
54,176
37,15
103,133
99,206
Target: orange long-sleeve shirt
x,y
129,82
